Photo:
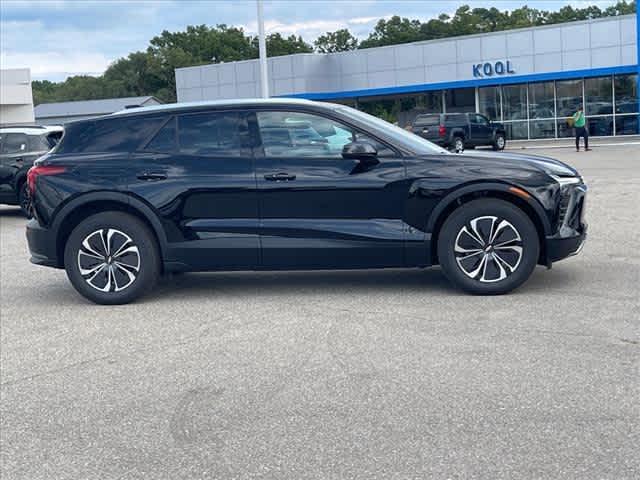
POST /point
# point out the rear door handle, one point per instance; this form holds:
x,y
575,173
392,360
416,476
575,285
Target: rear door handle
x,y
280,177
152,176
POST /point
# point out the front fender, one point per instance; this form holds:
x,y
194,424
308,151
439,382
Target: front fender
x,y
503,187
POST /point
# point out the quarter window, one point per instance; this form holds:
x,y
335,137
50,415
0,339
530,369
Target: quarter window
x,y
296,134
165,139
212,134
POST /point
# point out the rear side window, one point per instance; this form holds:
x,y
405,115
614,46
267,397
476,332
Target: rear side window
x,y
213,134
14,143
456,118
111,134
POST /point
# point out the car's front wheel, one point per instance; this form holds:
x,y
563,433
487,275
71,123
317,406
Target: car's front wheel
x,y
488,247
111,258
500,142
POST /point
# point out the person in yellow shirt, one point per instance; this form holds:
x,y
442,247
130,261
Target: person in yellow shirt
x,y
579,122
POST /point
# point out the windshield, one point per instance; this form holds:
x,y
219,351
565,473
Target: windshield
x,y
413,142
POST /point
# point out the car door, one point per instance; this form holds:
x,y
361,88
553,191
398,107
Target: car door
x,y
319,210
198,173
481,133
13,152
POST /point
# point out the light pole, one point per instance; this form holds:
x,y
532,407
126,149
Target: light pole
x,y
262,47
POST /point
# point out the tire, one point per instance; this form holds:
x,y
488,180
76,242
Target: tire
x,y
463,258
101,278
458,144
500,142
23,199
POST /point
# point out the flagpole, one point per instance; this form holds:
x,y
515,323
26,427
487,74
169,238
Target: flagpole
x,y
262,47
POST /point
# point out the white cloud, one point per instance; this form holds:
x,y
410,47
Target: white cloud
x,y
56,64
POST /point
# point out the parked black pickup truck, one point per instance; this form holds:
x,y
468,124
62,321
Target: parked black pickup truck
x,y
458,131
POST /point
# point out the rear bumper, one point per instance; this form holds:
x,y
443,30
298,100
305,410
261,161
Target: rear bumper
x,y
42,245
560,248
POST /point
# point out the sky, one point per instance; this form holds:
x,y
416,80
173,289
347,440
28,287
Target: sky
x,y
60,38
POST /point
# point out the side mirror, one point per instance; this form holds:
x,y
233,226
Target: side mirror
x,y
359,151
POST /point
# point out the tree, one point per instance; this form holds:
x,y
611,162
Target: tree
x,y
392,32
278,45
338,41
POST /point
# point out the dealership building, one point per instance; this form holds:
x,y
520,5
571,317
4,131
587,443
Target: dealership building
x,y
16,98
530,79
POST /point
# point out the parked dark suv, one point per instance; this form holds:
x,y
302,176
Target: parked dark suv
x,y
19,147
458,131
289,184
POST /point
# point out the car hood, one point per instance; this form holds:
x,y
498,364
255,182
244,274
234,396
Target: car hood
x,y
548,165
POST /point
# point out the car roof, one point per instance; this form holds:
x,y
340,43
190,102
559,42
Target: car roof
x,y
248,102
32,129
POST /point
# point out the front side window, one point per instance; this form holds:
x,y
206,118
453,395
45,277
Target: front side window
x,y
14,143
38,143
297,134
478,119
212,134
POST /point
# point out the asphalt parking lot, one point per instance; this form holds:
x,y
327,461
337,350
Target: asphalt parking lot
x,y
376,374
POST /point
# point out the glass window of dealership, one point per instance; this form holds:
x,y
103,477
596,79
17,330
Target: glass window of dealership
x,y
528,110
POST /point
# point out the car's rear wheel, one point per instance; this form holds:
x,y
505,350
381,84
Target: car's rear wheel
x,y
458,144
23,199
111,258
488,247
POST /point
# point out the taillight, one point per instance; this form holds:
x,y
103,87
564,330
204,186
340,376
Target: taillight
x,y
442,130
41,170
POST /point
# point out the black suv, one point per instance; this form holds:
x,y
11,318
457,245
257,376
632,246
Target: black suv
x,y
458,131
289,184
19,147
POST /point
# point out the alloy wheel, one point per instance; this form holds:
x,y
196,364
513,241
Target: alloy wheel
x,y
108,260
488,249
500,142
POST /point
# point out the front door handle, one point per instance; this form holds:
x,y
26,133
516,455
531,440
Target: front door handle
x,y
152,176
280,177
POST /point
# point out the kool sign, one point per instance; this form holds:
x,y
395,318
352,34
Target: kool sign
x,y
489,69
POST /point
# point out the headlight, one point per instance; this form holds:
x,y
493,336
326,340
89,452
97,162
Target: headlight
x,y
564,181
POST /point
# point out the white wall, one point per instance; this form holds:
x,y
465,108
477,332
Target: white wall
x,y
583,45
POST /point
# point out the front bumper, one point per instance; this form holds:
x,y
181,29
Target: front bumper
x,y
558,248
42,245
572,228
